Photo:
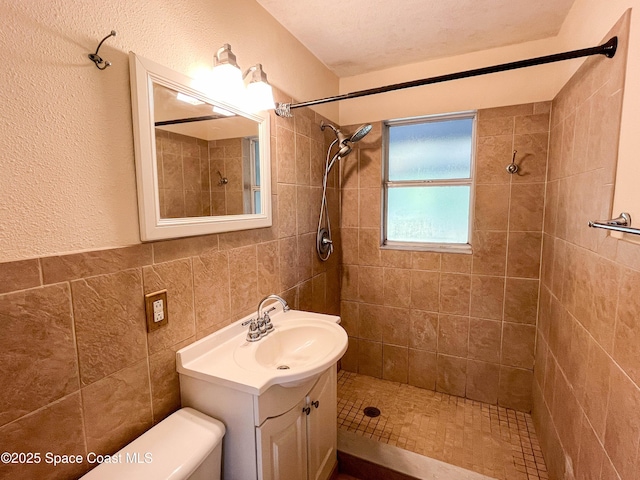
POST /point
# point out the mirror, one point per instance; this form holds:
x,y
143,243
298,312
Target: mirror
x,y
202,165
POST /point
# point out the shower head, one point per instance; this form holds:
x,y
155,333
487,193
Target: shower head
x,y
345,143
360,133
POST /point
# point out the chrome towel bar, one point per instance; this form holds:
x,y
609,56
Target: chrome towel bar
x,y
620,224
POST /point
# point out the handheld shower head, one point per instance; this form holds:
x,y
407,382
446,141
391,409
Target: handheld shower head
x,y
360,133
345,143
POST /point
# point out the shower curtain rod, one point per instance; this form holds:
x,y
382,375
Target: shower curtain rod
x,y
608,49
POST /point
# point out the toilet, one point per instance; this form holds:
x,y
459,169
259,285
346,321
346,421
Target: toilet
x,y
185,445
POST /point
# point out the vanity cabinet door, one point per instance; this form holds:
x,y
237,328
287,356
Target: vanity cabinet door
x,y
322,426
282,445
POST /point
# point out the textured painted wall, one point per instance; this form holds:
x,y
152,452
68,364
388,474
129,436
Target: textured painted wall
x,y
67,180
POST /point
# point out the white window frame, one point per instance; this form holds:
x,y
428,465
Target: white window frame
x,y
386,184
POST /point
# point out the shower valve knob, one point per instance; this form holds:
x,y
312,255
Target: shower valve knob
x,y
327,241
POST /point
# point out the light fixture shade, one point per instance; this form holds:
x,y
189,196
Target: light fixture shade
x,y
259,92
226,77
260,96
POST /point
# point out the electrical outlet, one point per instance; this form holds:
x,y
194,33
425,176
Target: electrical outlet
x,y
156,309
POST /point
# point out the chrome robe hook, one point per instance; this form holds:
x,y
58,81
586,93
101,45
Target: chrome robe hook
x,y
513,167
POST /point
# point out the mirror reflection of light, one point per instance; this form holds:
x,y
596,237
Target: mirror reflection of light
x,y
222,111
187,99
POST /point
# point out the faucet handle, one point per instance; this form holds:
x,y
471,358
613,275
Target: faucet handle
x,y
247,322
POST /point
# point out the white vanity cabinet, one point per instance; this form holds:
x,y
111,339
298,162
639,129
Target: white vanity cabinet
x,y
271,436
301,443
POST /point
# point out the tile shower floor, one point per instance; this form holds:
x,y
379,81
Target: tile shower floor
x,y
491,440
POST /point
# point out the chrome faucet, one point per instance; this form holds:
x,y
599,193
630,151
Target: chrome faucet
x,y
262,326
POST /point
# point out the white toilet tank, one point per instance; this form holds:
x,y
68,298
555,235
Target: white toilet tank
x,y
185,445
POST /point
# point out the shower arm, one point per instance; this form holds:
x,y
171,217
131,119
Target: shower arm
x,y
607,49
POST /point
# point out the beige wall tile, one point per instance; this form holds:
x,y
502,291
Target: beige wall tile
x,y
518,344
19,275
369,246
492,155
117,409
243,280
489,253
521,301
527,205
623,426
484,340
285,156
425,261
395,363
515,388
455,263
165,383
110,323
55,428
303,159
37,350
455,293
370,358
349,360
423,331
212,294
370,208
177,278
287,208
596,391
349,211
349,315
304,209
482,381
491,210
487,297
371,322
68,267
452,375
453,335
422,369
370,284
627,332
397,287
425,290
396,325
523,258
268,268
370,167
288,262
169,250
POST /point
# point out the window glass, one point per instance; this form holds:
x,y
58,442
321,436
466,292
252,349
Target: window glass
x,y
428,184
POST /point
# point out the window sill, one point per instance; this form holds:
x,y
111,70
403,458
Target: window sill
x,y
425,247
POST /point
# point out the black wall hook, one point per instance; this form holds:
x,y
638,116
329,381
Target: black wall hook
x,y
97,59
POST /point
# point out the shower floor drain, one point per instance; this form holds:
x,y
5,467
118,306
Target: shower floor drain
x,y
372,412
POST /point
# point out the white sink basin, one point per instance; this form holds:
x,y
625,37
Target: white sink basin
x,y
302,345
294,345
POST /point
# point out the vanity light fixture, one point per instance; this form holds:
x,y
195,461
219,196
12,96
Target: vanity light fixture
x,y
227,82
259,92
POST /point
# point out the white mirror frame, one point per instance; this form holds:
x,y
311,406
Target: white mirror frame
x,y
144,73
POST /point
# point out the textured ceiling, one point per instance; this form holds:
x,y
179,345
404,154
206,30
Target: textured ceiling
x,y
360,36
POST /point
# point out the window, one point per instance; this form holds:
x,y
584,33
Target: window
x,y
428,184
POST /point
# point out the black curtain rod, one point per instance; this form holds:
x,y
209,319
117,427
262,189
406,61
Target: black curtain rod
x,y
190,119
608,49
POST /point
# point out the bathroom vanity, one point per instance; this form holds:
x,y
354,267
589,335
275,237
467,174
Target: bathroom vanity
x,y
276,397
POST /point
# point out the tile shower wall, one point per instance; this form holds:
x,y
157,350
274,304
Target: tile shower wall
x,y
587,375
183,175
79,371
454,323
